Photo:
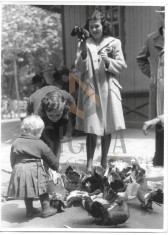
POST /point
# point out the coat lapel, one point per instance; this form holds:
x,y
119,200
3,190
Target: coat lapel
x,y
105,42
92,45
95,50
158,40
92,48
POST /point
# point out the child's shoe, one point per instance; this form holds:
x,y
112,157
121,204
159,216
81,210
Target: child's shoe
x,y
50,212
45,204
32,212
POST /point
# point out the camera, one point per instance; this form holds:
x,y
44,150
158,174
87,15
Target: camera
x,y
80,32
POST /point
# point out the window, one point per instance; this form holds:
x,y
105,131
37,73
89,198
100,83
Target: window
x,y
115,14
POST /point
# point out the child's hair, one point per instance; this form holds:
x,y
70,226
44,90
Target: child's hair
x,y
32,124
105,23
55,100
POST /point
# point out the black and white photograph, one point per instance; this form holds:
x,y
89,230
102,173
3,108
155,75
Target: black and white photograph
x,y
83,117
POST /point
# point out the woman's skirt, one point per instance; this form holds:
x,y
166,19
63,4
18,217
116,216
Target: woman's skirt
x,y
28,180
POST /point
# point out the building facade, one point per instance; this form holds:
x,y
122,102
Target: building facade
x,y
131,24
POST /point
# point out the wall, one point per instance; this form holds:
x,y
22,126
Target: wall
x,y
139,21
72,16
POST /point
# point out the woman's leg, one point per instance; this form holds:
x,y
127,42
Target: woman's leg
x,y
158,159
91,140
105,144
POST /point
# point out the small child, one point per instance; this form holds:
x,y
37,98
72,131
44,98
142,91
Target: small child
x,y
29,178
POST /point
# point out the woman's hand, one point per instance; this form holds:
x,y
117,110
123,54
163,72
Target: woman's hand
x,y
105,58
83,46
149,124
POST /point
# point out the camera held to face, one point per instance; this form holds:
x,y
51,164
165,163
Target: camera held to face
x,y
80,32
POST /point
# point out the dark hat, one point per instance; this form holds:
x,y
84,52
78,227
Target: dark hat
x,y
37,78
162,10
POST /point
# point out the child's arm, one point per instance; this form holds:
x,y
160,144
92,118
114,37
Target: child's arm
x,y
49,157
12,158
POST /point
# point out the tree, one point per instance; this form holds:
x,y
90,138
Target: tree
x,y
33,38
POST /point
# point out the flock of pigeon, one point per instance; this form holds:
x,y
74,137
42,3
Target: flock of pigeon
x,y
104,194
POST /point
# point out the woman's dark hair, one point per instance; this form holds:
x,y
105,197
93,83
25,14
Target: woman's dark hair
x,y
39,78
105,23
52,101
58,73
64,71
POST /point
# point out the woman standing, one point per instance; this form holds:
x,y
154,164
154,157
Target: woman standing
x,y
100,61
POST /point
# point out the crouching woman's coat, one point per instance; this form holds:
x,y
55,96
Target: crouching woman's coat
x,y
99,100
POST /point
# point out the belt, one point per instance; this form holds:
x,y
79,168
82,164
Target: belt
x,y
28,160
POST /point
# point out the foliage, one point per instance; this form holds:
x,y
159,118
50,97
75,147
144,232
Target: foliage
x,y
32,37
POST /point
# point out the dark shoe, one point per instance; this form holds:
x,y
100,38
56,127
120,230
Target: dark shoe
x,y
32,212
50,212
157,162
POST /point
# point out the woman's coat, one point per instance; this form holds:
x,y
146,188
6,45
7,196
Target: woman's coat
x,y
99,96
160,84
148,61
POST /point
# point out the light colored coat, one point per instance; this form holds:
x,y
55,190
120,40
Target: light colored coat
x,y
100,99
160,85
148,60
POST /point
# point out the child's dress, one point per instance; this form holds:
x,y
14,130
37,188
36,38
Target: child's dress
x,y
29,178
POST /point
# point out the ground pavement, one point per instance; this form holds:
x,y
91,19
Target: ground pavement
x,y
74,153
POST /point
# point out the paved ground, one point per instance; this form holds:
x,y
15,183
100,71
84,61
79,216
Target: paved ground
x,y
74,152
76,217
